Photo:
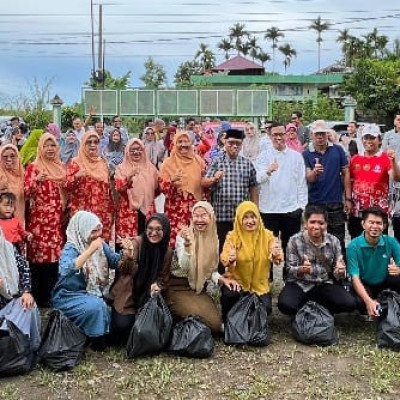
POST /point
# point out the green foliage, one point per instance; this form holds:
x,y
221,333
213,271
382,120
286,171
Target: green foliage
x,y
37,119
68,113
319,108
375,84
109,82
185,71
154,76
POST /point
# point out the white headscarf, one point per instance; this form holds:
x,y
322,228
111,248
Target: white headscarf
x,y
95,268
8,269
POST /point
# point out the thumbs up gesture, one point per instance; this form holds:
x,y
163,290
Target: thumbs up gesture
x,y
393,269
306,268
273,167
340,268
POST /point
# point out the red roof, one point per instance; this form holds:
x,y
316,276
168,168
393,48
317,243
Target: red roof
x,y
237,63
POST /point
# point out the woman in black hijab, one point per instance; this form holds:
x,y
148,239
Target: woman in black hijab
x,y
144,272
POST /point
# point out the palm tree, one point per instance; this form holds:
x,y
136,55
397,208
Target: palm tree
x,y
236,33
381,44
225,45
263,57
344,38
289,52
205,57
319,27
273,34
253,46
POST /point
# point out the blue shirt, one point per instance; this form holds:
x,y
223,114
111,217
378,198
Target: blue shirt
x,y
327,189
370,263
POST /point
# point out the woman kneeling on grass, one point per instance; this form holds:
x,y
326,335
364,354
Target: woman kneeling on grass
x,y
247,254
83,281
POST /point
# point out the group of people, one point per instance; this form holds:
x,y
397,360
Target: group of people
x,y
235,205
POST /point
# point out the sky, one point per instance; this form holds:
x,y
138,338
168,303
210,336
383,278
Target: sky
x,y
51,40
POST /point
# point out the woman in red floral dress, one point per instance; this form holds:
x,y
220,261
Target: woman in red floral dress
x,y
180,181
88,183
44,180
136,181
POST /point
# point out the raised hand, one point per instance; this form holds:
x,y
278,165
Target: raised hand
x,y
273,167
393,269
318,168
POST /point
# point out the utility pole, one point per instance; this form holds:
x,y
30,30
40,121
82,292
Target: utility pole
x,y
100,61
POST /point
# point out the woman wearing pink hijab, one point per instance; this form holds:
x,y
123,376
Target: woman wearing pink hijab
x,y
292,140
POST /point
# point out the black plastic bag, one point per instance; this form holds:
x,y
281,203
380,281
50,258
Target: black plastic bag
x,y
247,322
152,328
388,326
62,343
314,324
191,338
15,354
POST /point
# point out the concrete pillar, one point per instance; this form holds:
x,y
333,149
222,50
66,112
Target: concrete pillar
x,y
57,102
349,105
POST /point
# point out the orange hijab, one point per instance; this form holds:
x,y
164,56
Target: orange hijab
x,y
96,167
13,180
54,169
190,164
144,185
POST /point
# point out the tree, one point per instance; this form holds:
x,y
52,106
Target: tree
x,y
344,38
155,75
237,33
109,82
226,46
263,57
253,46
185,71
205,57
288,53
273,34
375,84
319,27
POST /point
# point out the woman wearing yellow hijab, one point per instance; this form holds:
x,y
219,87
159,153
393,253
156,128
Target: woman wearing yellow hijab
x,y
247,255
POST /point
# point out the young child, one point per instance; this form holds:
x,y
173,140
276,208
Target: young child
x,y
12,226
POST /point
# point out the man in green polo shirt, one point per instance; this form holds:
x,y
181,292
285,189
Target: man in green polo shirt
x,y
372,261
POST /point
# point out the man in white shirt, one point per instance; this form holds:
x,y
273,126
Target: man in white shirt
x,y
281,175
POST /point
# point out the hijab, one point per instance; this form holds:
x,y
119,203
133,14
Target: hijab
x,y
294,143
14,179
251,144
152,146
141,194
69,150
95,268
190,164
95,166
151,260
252,247
167,138
8,269
54,129
205,255
29,149
54,169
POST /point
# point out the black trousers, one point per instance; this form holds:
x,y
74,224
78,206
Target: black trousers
x,y
396,227
391,282
230,297
44,277
120,327
333,297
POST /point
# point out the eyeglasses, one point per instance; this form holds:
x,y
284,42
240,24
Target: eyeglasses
x,y
12,157
232,143
154,230
92,142
149,132
135,150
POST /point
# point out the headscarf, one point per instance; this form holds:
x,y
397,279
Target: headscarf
x,y
205,256
151,260
69,150
95,166
95,268
295,143
54,169
252,247
152,146
141,194
251,144
8,269
167,138
190,164
28,151
14,180
54,129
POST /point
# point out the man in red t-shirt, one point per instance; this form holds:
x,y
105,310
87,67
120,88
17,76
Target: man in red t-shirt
x,y
369,174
